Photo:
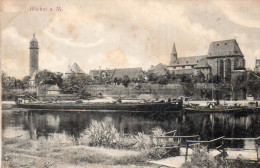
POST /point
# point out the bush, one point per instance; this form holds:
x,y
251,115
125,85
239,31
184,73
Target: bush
x,y
106,135
200,159
101,134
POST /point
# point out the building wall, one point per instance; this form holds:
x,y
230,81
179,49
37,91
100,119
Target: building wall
x,y
46,97
33,60
214,62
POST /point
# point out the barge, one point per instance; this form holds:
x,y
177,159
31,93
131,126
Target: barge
x,y
80,105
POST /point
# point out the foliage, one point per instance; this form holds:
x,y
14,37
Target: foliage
x,y
200,159
162,80
126,80
106,135
152,77
48,77
75,83
101,134
25,81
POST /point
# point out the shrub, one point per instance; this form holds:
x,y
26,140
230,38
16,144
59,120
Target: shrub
x,y
101,134
200,159
106,135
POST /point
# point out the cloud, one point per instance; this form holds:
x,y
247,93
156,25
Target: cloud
x,y
8,6
116,59
72,43
236,15
11,33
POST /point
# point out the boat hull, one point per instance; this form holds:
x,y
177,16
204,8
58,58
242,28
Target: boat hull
x,y
106,106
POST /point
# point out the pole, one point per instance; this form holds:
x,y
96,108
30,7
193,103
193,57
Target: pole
x,y
186,155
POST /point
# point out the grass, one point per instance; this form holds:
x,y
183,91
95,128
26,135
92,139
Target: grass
x,y
101,143
45,153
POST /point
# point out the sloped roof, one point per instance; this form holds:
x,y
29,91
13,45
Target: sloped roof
x,y
174,49
53,88
224,48
130,72
109,72
160,69
75,69
193,60
203,63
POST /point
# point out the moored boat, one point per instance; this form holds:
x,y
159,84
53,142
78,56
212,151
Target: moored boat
x,y
148,106
218,109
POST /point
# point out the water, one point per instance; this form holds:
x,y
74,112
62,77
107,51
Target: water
x,y
35,124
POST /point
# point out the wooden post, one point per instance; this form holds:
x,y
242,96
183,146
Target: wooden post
x,y
256,147
187,148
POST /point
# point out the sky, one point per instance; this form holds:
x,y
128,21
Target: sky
x,y
120,34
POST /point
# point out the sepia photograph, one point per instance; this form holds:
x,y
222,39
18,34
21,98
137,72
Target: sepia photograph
x,y
130,83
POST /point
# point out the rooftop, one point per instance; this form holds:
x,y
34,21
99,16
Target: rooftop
x,y
224,48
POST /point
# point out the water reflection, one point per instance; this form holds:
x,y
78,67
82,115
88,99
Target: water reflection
x,y
208,126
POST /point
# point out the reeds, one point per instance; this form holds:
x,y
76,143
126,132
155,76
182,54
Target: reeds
x,y
106,135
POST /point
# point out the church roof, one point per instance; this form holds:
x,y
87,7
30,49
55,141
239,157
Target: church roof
x,y
174,49
75,69
224,48
203,63
193,60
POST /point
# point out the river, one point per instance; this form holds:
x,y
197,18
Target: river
x,y
35,123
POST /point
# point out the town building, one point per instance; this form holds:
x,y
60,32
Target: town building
x,y
222,59
159,69
53,90
74,70
132,73
34,56
257,65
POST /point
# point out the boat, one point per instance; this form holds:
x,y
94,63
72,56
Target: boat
x,y
150,106
219,109
212,107
81,105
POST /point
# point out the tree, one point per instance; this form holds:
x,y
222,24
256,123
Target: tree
x,y
152,77
25,82
45,77
126,81
162,80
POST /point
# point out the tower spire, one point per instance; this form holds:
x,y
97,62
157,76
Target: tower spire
x,y
173,54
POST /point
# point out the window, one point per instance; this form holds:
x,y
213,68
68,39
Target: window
x,y
217,44
197,61
192,66
225,43
183,67
187,62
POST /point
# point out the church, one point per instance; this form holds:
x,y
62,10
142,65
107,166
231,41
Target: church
x,y
223,58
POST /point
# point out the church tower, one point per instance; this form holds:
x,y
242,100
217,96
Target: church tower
x,y
173,55
34,55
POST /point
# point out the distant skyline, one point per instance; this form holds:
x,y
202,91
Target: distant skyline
x,y
122,34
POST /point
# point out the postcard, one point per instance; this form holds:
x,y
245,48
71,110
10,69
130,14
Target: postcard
x,y
134,83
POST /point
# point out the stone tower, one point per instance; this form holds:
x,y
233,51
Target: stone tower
x,y
34,55
173,54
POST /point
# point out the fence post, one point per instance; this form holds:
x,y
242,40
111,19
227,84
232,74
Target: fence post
x,y
186,155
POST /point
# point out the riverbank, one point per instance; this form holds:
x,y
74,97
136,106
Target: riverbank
x,y
19,152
